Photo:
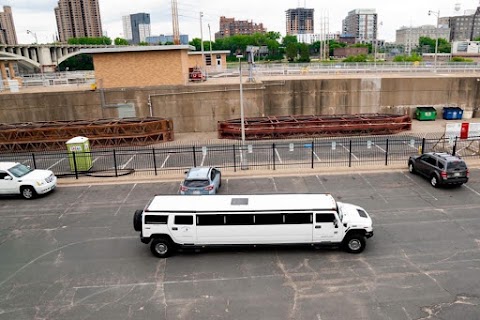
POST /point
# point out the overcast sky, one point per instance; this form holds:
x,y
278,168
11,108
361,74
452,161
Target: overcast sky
x,y
38,15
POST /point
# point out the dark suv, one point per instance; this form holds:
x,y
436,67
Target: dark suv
x,y
440,168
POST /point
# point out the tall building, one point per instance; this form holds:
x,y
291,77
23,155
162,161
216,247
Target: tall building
x,y
136,27
7,28
299,21
466,27
231,27
361,24
163,39
78,18
409,37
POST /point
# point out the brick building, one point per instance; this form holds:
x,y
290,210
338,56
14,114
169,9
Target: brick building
x,y
299,21
231,27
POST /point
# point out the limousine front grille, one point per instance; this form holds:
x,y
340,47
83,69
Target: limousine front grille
x,y
49,178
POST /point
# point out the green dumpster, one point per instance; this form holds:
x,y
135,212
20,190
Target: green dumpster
x,y
79,155
425,113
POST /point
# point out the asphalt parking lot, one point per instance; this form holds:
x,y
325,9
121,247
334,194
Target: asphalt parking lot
x,y
73,254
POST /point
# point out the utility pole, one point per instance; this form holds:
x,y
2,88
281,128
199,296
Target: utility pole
x,y
201,43
176,31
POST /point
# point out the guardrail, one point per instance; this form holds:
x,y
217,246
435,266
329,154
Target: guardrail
x,y
254,155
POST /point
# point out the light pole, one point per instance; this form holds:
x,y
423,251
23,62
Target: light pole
x,y
201,43
243,159
34,35
437,14
211,53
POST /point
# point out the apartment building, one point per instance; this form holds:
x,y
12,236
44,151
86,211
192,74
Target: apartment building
x,y
465,27
361,24
136,27
78,18
299,21
231,27
7,27
409,37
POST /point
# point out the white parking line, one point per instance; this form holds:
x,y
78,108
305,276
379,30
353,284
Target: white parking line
x,y
374,189
316,156
431,195
353,154
278,156
130,160
473,190
165,162
53,165
383,150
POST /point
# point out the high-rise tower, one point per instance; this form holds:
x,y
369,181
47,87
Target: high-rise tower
x,y
78,18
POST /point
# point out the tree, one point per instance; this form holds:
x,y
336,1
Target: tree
x,y
120,42
304,53
291,51
359,58
332,45
288,40
143,43
88,40
404,58
428,44
78,62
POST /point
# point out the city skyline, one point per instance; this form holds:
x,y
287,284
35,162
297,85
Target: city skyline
x,y
39,18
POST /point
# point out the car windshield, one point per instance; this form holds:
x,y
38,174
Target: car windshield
x,y
456,165
19,170
195,183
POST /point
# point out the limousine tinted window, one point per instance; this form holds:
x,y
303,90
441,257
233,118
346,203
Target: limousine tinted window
x,y
156,219
210,219
269,218
239,219
185,220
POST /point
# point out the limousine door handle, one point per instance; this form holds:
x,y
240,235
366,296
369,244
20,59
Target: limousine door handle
x,y
318,227
174,228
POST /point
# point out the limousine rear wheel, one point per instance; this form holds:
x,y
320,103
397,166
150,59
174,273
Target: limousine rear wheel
x,y
355,243
161,248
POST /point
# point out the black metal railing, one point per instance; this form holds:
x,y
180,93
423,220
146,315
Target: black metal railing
x,y
253,155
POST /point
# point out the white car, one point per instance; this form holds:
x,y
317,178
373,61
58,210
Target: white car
x,y
16,178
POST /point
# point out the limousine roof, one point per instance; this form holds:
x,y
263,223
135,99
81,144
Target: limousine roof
x,y
236,203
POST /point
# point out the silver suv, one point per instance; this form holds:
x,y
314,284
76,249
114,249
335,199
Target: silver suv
x,y
440,168
201,180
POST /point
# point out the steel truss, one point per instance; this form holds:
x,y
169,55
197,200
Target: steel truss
x,y
52,135
302,126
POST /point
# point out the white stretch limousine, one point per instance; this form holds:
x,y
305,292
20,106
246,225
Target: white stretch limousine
x,y
171,222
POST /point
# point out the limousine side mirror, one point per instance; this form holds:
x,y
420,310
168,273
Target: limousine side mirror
x,y
335,223
8,178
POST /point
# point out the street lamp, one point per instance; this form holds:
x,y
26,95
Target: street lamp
x,y
242,115
34,35
437,14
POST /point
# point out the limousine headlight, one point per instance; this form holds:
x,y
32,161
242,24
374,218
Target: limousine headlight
x,y
40,182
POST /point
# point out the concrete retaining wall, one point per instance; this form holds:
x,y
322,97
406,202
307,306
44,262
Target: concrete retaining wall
x,y
197,108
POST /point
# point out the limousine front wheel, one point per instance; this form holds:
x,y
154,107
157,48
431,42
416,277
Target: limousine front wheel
x,y
161,248
355,243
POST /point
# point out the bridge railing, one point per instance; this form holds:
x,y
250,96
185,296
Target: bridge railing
x,y
57,79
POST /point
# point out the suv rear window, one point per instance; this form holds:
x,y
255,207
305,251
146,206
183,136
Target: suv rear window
x,y
454,165
195,183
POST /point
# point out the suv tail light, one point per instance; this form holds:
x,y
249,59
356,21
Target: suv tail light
x,y
444,174
468,173
183,188
209,188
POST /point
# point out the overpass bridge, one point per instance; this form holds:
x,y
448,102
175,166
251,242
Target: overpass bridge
x,y
45,57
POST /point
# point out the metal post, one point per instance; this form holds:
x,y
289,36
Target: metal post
x,y
273,155
454,147
423,146
234,159
154,161
75,164
243,164
350,155
34,161
115,163
386,154
194,157
201,43
313,151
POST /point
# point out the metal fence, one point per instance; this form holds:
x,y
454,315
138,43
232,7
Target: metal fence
x,y
254,155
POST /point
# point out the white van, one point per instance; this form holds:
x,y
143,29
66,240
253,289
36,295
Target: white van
x,y
16,178
171,222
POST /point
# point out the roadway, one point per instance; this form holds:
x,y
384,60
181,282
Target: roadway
x,y
73,254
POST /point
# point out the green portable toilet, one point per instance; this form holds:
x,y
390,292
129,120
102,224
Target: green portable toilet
x,y
80,146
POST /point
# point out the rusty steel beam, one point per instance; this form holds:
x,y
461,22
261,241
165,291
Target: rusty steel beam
x,y
52,135
314,126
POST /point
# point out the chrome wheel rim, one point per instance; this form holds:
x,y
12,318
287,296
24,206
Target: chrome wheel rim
x,y
354,244
410,167
161,248
433,181
27,193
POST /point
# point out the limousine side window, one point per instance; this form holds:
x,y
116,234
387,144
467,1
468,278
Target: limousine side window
x,y
298,218
183,220
211,220
325,217
269,218
156,219
239,219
